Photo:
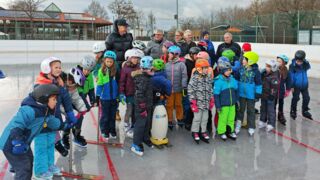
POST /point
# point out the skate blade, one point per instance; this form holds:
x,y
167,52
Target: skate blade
x,y
111,144
80,176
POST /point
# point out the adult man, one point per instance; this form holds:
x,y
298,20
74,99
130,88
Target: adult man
x,y
154,47
229,44
188,39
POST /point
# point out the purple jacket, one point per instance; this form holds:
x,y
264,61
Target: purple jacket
x,y
126,80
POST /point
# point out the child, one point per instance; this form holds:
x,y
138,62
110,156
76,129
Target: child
x,y
177,73
250,89
166,45
131,64
36,113
285,86
161,85
98,49
298,72
107,94
201,99
235,63
270,84
225,96
143,100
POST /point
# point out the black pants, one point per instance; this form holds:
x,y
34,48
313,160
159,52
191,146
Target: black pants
x,y
267,112
142,126
279,101
296,98
107,121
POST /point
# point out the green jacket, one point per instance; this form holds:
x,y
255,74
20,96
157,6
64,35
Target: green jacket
x,y
88,85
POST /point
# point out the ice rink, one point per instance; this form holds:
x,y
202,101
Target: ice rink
x,y
289,152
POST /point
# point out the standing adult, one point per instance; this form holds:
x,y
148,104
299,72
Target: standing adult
x,y
229,44
154,47
188,38
181,43
210,47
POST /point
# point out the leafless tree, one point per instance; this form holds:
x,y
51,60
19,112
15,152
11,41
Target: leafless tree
x,y
97,10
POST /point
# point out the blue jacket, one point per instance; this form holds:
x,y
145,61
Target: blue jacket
x,y
249,81
225,91
211,51
161,84
299,77
107,87
236,65
28,123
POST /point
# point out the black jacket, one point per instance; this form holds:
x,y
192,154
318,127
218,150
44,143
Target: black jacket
x,y
119,44
270,85
235,47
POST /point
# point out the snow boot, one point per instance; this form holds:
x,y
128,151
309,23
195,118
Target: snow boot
x,y
307,114
281,118
61,149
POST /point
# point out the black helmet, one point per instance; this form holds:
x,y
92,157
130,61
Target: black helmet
x,y
41,93
194,50
300,54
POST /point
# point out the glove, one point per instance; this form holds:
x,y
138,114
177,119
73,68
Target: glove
x,y
80,114
271,97
19,147
211,103
257,96
98,100
72,120
184,92
144,114
123,99
194,106
287,93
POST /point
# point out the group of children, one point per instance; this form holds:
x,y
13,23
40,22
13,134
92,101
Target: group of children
x,y
189,85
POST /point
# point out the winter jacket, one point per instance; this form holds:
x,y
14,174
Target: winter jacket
x,y
87,89
200,89
225,91
190,45
27,123
235,47
190,66
183,46
161,84
119,44
236,65
285,83
299,76
154,48
211,51
270,85
177,73
77,102
107,87
143,96
126,81
249,81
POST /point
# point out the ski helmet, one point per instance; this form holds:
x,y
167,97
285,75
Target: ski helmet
x,y
88,62
300,54
194,50
42,92
146,62
78,76
98,47
203,55
228,53
273,64
246,47
168,44
174,50
201,63
45,64
110,54
203,43
138,44
252,57
158,64
133,53
223,63
284,58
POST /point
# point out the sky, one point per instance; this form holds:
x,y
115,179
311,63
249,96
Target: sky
x,y
164,10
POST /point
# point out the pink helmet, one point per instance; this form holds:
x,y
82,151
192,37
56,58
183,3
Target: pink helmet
x,y
203,55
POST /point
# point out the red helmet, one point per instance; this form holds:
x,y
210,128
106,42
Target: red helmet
x,y
202,43
246,47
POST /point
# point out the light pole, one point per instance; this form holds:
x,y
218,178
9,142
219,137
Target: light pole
x,y
177,14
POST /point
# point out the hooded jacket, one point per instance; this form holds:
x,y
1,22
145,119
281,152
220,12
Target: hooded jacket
x,y
225,91
299,76
270,84
177,73
249,81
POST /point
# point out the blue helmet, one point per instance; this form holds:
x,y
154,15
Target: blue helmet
x,y
110,54
146,62
174,50
284,58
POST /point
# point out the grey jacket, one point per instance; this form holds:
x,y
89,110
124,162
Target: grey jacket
x,y
176,72
77,102
154,49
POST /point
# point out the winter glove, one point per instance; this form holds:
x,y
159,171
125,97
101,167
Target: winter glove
x,y
98,100
72,120
184,92
144,114
194,106
123,99
287,93
271,97
211,103
19,147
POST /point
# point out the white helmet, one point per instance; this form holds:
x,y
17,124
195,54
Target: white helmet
x,y
88,62
133,53
99,47
78,76
138,44
45,64
274,65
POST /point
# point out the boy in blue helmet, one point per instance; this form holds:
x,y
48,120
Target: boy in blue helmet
x,y
143,99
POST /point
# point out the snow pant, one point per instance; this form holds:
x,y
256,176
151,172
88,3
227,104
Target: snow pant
x,y
108,117
130,111
44,152
21,164
296,98
226,119
200,119
175,102
267,112
142,126
251,116
188,114
279,101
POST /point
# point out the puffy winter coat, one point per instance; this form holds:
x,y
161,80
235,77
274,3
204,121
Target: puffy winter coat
x,y
77,101
177,73
270,84
200,89
126,81
161,84
154,48
107,87
183,46
299,76
225,91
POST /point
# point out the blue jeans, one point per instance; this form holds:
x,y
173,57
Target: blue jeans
x,y
108,117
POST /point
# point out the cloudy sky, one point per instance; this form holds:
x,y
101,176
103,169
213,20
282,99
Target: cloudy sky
x,y
164,10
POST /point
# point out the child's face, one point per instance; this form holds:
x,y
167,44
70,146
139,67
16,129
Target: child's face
x,y
281,62
52,102
299,62
268,69
228,72
194,56
135,60
170,56
203,70
244,62
108,62
164,50
56,68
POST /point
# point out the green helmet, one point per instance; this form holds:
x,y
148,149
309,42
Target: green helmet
x,y
252,57
158,64
228,53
